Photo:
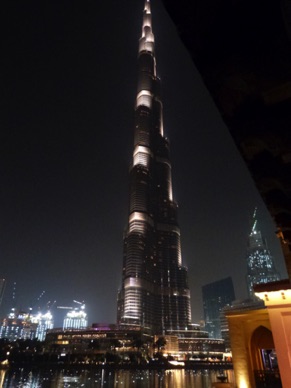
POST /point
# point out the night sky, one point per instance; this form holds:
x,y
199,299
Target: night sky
x,y
68,86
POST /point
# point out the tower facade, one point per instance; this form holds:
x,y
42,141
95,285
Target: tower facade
x,y
216,296
154,292
260,264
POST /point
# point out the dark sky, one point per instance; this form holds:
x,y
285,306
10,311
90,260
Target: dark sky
x,y
69,85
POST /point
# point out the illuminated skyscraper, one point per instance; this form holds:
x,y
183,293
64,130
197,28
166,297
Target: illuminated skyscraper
x,y
17,325
260,264
44,322
76,318
154,292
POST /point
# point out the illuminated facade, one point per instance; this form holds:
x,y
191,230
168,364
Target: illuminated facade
x,y
260,265
154,292
44,322
17,325
22,325
277,299
76,319
123,340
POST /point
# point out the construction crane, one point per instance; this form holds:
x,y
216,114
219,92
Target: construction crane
x,y
82,306
50,305
76,301
65,307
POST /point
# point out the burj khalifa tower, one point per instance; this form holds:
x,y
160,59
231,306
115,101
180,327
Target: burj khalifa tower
x,y
154,293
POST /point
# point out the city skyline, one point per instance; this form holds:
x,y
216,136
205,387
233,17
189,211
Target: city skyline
x,y
70,84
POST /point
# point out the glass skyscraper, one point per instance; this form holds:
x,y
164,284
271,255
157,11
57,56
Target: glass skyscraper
x,y
216,296
260,264
154,292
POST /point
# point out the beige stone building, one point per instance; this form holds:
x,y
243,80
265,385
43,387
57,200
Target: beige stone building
x,y
261,339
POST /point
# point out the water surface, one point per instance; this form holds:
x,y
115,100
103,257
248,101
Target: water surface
x,y
178,378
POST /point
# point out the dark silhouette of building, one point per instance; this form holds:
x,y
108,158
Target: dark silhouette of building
x,y
242,51
260,264
216,296
154,292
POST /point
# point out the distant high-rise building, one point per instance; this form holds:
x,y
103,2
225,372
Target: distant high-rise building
x,y
23,325
17,325
76,318
154,291
216,296
44,322
2,288
260,264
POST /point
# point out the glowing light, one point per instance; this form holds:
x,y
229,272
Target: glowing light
x,y
141,155
132,304
162,124
275,297
148,35
76,318
141,149
144,98
163,160
147,6
137,227
133,282
137,216
180,363
168,228
169,178
146,46
170,190
147,23
76,314
242,383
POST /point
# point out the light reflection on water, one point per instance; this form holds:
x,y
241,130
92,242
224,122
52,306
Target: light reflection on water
x,y
178,378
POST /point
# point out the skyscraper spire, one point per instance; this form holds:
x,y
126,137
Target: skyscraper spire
x,y
147,39
154,291
260,264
